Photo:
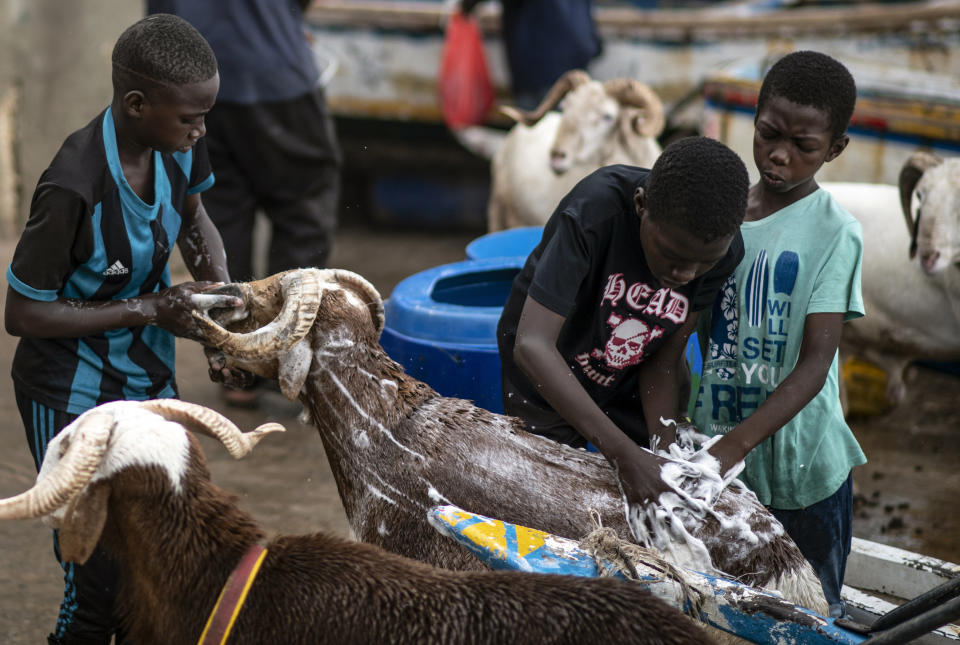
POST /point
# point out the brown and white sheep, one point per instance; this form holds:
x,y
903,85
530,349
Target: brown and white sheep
x,y
129,475
546,153
397,448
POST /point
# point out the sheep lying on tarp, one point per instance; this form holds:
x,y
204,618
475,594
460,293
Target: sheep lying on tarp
x,y
129,474
397,448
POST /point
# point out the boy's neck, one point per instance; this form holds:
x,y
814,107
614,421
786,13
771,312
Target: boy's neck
x,y
129,149
135,158
763,202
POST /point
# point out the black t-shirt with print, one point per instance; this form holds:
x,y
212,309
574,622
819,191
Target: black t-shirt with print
x,y
590,268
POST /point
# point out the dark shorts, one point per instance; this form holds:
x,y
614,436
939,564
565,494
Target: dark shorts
x,y
824,533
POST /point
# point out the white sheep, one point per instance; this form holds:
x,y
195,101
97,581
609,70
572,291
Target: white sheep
x,y
397,448
128,475
546,153
911,267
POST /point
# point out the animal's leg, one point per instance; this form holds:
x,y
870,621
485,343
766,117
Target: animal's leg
x,y
895,368
495,215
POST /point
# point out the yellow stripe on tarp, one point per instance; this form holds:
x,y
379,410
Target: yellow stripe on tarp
x,y
492,536
528,540
489,535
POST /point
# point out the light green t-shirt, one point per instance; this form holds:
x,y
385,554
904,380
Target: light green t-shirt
x,y
803,259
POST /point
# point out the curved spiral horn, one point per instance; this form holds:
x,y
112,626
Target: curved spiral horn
x,y
203,420
913,168
88,443
366,291
301,300
632,92
570,80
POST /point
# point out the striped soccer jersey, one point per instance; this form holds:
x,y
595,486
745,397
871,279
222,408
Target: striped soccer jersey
x,y
90,237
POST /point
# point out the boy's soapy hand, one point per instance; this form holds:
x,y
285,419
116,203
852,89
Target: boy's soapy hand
x,y
173,307
639,474
730,453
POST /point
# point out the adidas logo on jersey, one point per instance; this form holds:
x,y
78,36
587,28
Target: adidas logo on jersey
x,y
116,268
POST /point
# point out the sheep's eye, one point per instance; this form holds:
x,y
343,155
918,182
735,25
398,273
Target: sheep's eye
x,y
919,196
607,117
64,446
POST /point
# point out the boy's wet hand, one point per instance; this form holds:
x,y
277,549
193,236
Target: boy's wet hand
x,y
640,480
728,452
220,373
174,307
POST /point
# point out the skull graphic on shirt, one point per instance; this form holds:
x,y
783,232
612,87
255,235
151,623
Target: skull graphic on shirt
x,y
625,345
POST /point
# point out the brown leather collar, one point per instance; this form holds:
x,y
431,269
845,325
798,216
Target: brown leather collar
x,y
234,592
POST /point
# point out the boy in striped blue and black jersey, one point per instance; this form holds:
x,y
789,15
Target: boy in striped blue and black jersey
x,y
89,287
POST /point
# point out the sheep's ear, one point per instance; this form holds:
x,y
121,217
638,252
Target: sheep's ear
x,y
293,368
83,523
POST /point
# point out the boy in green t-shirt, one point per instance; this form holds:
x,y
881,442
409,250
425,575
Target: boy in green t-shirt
x,y
769,379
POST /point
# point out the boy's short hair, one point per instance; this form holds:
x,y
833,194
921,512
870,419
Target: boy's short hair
x,y
699,184
814,79
161,50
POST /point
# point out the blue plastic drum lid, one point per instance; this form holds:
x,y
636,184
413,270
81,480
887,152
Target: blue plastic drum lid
x,y
441,325
514,242
453,303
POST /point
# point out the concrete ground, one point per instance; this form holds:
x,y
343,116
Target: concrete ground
x,y
906,492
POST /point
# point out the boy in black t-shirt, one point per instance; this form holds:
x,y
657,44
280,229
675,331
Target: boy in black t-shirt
x,y
89,288
594,331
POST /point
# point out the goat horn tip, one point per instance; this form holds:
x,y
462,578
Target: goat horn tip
x,y
267,428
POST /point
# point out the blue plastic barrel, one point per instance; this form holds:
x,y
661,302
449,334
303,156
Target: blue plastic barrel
x,y
441,325
514,242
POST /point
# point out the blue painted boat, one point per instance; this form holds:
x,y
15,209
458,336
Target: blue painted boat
x,y
752,614
758,616
386,53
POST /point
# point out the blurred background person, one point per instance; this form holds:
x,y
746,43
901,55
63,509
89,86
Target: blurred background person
x,y
543,39
271,138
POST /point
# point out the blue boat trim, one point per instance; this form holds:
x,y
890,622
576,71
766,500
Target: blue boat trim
x,y
756,615
886,135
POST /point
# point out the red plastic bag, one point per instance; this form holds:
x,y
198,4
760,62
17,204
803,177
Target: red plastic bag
x,y
466,93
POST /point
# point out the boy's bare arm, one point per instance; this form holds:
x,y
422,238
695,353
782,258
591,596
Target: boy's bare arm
x,y
68,318
821,337
659,380
536,354
200,243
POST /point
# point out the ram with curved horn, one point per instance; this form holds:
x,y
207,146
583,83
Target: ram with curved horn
x,y
546,153
910,278
396,449
129,475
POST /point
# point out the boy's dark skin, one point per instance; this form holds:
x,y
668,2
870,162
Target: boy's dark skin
x,y
675,257
168,119
790,144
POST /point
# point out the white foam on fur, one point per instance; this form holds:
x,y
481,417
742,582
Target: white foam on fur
x,y
695,486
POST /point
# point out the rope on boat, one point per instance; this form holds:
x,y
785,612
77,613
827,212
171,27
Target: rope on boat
x,y
606,548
